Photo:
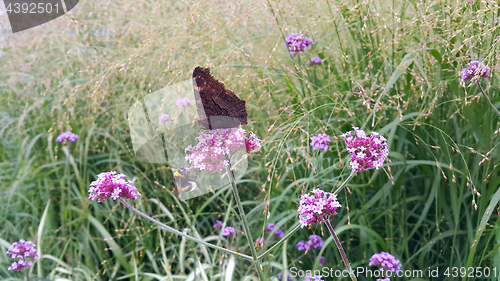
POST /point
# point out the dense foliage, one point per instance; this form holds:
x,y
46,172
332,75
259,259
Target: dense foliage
x,y
382,66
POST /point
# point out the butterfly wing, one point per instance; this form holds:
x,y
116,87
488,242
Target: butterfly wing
x,y
217,106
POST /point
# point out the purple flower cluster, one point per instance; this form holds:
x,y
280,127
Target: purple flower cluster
x,y
112,185
385,279
280,275
317,206
314,242
386,261
217,224
215,147
24,250
313,278
321,260
164,118
320,141
297,42
314,61
68,135
366,152
183,102
228,231
279,233
474,70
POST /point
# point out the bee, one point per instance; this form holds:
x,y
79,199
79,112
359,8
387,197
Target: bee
x,y
183,181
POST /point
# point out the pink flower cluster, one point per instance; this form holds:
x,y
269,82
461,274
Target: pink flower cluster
x,y
24,250
215,147
366,152
386,261
68,135
474,70
317,206
112,185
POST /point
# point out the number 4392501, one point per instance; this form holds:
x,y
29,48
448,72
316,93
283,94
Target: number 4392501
x,y
470,272
32,8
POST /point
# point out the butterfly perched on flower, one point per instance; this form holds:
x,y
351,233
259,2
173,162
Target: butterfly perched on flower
x,y
218,107
183,181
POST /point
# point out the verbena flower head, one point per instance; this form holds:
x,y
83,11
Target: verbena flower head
x,y
386,262
315,241
314,61
183,102
217,224
297,42
302,246
320,141
317,206
313,278
270,226
252,143
366,152
474,71
228,231
164,118
112,185
321,260
68,135
215,147
278,232
24,250
280,275
19,265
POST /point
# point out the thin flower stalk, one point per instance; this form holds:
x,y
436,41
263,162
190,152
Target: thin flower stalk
x,y
168,228
486,97
341,250
248,234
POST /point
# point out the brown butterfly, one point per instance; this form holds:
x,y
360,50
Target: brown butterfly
x,y
217,106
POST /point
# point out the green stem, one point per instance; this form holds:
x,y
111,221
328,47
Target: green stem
x,y
344,183
486,97
248,234
295,229
168,228
341,250
27,275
